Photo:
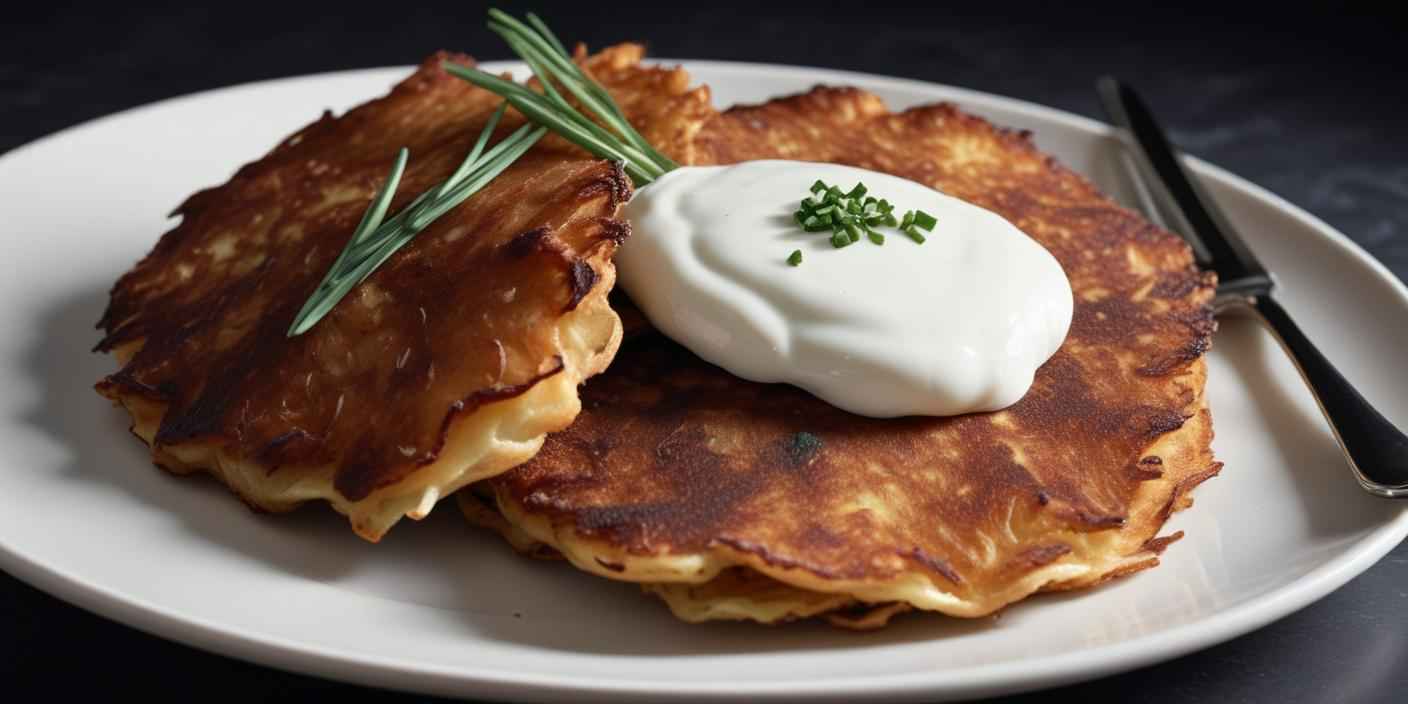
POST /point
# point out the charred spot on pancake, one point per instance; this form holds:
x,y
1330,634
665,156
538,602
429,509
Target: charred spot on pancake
x,y
123,384
1038,556
1096,521
1148,468
616,185
296,444
581,277
776,559
617,231
1179,359
1158,545
1166,421
1179,496
936,564
527,242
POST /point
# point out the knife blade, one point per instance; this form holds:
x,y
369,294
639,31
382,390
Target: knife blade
x,y
1376,451
1194,214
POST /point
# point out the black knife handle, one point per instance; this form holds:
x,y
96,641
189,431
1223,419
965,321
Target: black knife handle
x,y
1377,451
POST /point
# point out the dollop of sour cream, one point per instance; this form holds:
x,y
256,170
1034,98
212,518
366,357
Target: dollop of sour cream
x,y
957,324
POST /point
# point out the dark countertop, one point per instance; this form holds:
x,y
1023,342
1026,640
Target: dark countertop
x,y
1307,105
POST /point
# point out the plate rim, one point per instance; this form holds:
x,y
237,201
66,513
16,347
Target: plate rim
x,y
1040,672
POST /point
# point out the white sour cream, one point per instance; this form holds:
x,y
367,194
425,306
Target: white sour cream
x,y
955,325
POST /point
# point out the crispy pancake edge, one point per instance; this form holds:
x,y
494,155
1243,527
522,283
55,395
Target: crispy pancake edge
x,y
486,433
1090,556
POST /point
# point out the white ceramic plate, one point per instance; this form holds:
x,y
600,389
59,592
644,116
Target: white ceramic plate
x,y
439,607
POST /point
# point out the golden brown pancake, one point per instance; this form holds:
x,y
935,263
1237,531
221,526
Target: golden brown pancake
x,y
733,499
449,364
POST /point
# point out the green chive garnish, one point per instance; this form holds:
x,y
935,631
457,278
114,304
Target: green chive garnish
x,y
849,214
795,258
924,220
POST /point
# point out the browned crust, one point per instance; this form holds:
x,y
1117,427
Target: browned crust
x,y
468,316
673,457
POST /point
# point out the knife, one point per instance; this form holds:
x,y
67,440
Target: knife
x,y
1377,452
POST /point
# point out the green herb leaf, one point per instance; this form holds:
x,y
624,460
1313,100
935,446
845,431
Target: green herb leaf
x,y
849,214
795,258
924,220
376,238
549,61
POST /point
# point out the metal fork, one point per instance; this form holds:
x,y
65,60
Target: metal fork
x,y
1377,452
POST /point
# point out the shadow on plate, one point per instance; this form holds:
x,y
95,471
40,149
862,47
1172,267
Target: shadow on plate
x,y
101,449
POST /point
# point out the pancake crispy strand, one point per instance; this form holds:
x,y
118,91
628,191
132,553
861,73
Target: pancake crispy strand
x,y
448,365
679,475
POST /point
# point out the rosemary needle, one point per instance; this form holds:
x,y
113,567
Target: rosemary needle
x,y
549,61
377,238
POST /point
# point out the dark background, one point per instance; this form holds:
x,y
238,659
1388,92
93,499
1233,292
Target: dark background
x,y
1310,104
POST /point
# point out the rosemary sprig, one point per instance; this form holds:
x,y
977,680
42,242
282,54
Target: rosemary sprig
x,y
377,238
548,59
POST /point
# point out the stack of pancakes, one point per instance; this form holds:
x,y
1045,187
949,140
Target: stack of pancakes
x,y
488,358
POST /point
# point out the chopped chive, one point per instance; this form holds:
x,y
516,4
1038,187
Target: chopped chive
x,y
924,220
848,215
